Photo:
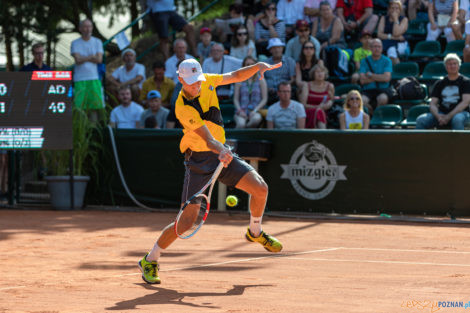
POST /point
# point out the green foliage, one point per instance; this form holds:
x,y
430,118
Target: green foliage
x,y
216,11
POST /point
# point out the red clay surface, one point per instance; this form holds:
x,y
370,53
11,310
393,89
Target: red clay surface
x,y
85,261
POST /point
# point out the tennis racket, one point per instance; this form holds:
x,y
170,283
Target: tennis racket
x,y
194,211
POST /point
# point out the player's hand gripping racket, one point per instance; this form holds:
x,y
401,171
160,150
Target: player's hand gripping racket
x,y
194,211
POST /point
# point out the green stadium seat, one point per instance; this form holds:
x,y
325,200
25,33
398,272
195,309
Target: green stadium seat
x,y
413,113
416,28
455,46
228,111
387,116
405,69
432,72
426,49
465,69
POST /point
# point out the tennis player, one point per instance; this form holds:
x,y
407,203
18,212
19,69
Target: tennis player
x,y
203,143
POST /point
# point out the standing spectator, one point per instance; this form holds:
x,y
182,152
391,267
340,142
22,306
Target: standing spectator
x,y
155,110
286,113
242,46
415,5
450,99
290,11
357,15
285,73
360,54
312,8
392,29
353,116
87,52
249,98
375,74
163,13
127,114
327,28
179,47
130,74
269,26
160,83
442,16
294,45
38,60
204,47
307,61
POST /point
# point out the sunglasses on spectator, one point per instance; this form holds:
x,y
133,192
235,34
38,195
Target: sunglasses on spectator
x,y
354,98
242,34
309,47
272,8
304,30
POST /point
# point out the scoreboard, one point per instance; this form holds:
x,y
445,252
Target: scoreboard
x,y
36,110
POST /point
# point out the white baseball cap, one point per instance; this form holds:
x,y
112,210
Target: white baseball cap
x,y
275,42
190,70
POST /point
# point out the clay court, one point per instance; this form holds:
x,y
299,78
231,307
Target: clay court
x,y
86,261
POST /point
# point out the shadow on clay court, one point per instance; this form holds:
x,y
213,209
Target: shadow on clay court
x,y
169,296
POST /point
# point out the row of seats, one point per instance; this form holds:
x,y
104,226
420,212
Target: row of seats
x,y
391,116
432,49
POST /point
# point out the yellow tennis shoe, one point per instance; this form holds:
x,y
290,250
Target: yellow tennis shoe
x,y
268,242
149,271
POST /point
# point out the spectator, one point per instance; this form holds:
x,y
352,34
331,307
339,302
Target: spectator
x,y
218,63
463,16
450,99
360,54
130,74
127,114
155,110
294,46
226,28
269,26
312,8
286,113
442,17
290,11
180,47
375,75
466,50
392,29
242,46
357,15
307,61
205,46
38,60
158,82
87,52
353,116
151,122
320,95
249,98
414,6
327,28
285,73
257,10
164,13
172,121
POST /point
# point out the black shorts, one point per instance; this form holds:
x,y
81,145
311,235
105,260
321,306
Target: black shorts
x,y
201,165
161,20
372,94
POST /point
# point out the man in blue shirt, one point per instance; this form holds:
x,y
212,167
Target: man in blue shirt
x,y
376,73
38,60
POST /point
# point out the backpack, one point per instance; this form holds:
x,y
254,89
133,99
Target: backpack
x,y
409,88
336,61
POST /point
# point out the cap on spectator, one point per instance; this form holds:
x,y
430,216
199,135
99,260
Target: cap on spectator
x,y
275,42
365,33
205,30
301,24
153,94
190,71
127,50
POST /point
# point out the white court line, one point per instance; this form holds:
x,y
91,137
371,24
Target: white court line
x,y
15,287
379,261
406,250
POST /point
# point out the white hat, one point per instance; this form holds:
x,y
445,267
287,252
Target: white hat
x,y
275,42
127,50
190,70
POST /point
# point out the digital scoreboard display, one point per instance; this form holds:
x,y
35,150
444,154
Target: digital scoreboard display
x,y
36,110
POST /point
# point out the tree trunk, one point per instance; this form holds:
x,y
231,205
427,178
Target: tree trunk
x,y
8,50
134,14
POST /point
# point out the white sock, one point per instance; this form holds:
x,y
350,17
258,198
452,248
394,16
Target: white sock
x,y
255,225
154,255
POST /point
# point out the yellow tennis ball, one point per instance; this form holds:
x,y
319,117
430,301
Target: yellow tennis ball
x,y
231,201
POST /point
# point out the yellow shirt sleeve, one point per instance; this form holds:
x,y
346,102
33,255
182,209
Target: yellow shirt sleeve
x,y
214,79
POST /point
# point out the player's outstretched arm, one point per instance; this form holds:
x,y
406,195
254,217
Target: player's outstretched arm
x,y
246,72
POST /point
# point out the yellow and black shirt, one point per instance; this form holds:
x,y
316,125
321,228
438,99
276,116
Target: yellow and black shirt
x,y
202,110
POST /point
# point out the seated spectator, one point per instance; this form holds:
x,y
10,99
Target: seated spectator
x,y
225,29
242,46
320,95
256,10
375,74
155,110
127,114
466,49
360,54
392,29
130,74
463,16
312,8
163,13
290,11
249,98
38,60
442,16
327,28
218,63
269,26
294,45
204,47
450,99
415,5
180,47
308,60
353,116
357,16
286,113
285,73
158,82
